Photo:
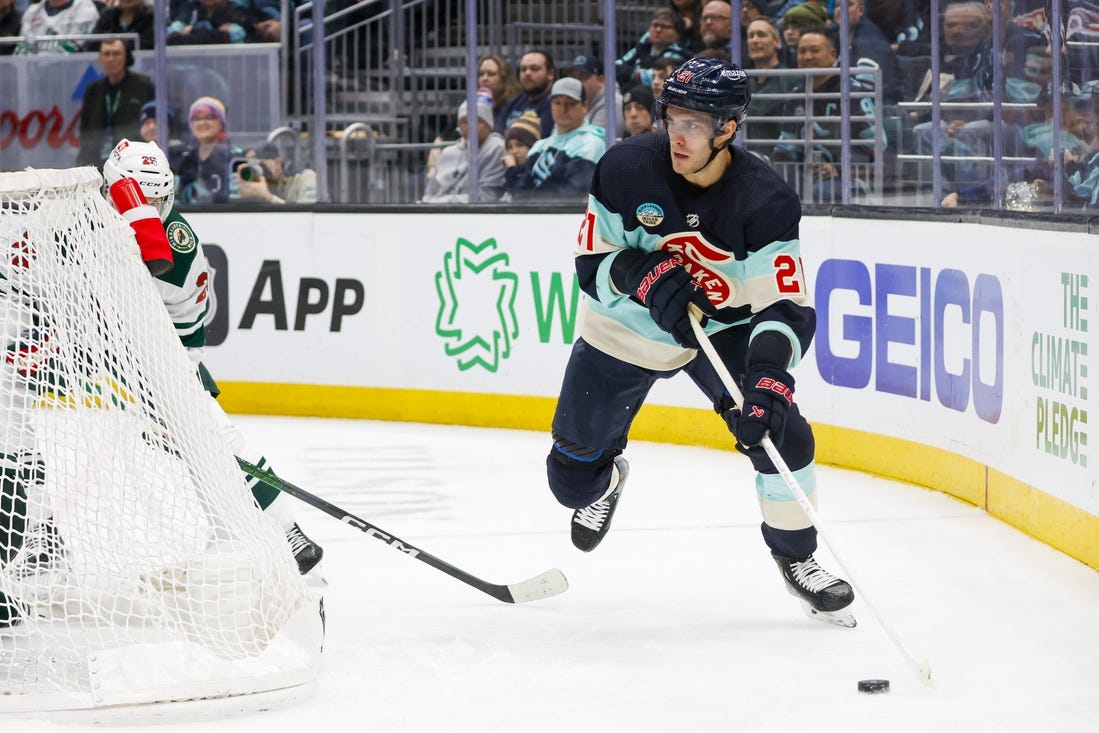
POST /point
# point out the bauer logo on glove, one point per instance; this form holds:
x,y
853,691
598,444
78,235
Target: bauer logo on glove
x,y
767,397
773,385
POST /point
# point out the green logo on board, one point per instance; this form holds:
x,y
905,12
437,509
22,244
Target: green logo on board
x,y
476,315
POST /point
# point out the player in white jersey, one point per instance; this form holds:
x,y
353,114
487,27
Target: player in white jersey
x,y
187,291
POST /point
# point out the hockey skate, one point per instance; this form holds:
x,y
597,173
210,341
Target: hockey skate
x,y
823,596
590,524
307,553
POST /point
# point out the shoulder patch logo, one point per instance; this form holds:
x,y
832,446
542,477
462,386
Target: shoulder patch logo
x,y
650,214
180,237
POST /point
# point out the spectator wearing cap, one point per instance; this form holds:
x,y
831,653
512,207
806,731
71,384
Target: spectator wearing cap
x,y
537,73
147,123
560,167
589,71
449,183
149,133
637,107
267,178
519,138
663,38
205,164
112,104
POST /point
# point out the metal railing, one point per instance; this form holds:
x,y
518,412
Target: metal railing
x,y
809,174
43,44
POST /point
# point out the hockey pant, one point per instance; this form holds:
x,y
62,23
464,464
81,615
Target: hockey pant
x,y
266,497
600,397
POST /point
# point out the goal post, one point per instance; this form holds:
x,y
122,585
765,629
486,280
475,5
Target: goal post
x,y
135,567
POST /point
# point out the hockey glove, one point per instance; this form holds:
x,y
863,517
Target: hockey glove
x,y
768,394
145,221
664,286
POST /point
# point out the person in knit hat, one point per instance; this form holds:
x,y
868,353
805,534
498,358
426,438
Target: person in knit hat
x,y
205,168
796,19
207,109
637,107
448,183
519,138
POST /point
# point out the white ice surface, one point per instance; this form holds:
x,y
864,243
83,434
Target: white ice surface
x,y
679,620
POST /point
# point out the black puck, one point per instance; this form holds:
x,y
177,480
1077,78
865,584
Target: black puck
x,y
873,687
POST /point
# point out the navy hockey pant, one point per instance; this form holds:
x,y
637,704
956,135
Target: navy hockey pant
x,y
600,397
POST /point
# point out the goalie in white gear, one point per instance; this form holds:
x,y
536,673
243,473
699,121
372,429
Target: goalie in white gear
x,y
188,294
25,350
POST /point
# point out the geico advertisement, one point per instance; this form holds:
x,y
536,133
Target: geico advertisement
x,y
965,337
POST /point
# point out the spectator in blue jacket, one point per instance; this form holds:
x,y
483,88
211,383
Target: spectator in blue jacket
x,y
662,39
561,165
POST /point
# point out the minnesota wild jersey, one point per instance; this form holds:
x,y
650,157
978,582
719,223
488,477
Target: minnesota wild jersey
x,y
186,288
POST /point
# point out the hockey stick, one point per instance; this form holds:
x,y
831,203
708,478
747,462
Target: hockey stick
x,y
923,671
550,583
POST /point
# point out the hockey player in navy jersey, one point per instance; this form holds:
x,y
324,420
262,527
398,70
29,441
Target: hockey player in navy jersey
x,y
678,218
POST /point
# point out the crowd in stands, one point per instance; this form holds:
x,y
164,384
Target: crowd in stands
x,y
191,22
540,124
888,44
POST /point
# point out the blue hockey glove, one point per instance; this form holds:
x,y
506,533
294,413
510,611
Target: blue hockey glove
x,y
664,286
768,394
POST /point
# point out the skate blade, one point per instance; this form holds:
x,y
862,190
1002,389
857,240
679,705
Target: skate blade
x,y
842,617
315,578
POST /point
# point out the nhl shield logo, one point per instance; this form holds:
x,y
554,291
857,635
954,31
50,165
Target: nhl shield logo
x,y
692,221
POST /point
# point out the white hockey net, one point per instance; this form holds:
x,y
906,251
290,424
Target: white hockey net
x,y
134,564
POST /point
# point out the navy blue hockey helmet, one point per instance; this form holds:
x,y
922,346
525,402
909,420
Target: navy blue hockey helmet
x,y
714,86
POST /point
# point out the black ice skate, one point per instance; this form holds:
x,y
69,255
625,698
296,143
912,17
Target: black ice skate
x,y
823,596
590,524
307,553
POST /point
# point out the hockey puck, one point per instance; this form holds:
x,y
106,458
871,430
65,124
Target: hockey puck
x,y
873,687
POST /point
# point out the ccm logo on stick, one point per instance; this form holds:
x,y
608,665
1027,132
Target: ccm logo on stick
x,y
394,543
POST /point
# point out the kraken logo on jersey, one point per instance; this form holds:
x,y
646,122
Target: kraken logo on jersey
x,y
650,214
701,260
180,237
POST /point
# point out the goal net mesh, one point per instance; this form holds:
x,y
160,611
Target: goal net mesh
x,y
135,566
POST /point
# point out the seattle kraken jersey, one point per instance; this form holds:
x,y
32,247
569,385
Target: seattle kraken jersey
x,y
738,238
